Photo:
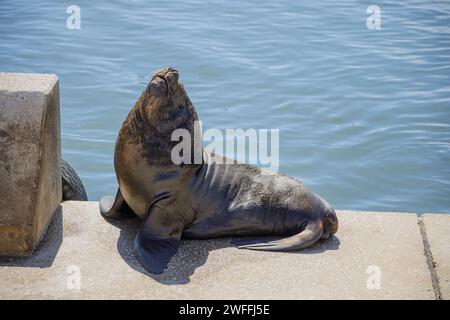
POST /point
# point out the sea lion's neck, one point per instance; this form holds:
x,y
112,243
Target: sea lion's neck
x,y
151,123
136,117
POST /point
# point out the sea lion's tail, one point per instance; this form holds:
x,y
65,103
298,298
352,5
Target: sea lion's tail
x,y
309,236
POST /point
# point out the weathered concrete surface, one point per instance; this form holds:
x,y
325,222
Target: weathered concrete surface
x,y
83,248
30,188
437,228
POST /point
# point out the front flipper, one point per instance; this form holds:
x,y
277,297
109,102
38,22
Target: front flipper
x,y
158,239
115,208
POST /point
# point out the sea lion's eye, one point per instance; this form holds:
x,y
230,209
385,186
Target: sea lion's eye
x,y
157,87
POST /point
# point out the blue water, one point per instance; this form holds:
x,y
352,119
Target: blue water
x,y
364,115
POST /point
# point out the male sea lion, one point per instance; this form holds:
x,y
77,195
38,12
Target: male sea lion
x,y
205,200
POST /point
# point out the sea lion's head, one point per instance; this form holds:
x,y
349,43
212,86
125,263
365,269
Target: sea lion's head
x,y
165,97
163,108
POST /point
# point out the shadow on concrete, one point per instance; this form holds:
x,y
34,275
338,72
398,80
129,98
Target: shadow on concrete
x,y
191,254
47,249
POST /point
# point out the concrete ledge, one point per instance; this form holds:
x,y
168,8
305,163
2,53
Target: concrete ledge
x,y
30,152
373,256
437,228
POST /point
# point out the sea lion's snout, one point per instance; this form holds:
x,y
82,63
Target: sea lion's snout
x,y
158,87
171,77
163,81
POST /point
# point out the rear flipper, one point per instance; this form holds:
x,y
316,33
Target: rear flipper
x,y
309,236
115,208
158,239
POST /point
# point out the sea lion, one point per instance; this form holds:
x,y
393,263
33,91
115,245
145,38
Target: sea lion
x,y
204,200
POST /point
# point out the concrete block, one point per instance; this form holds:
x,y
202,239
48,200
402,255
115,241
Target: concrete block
x,y
437,228
30,153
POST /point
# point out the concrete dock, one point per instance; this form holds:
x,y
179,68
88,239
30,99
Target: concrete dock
x,y
374,255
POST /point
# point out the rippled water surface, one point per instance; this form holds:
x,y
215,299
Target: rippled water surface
x,y
364,115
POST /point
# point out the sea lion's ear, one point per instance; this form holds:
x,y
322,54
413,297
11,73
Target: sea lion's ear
x,y
157,87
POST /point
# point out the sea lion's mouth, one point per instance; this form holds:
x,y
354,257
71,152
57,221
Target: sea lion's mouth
x,y
166,83
163,82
